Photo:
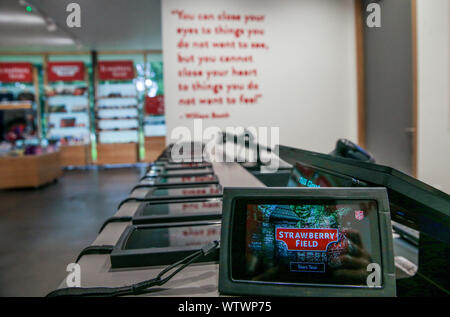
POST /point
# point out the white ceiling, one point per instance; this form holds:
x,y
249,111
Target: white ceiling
x,y
105,25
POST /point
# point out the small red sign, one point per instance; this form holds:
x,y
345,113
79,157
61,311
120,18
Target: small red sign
x,y
359,215
154,105
307,239
116,70
65,71
16,72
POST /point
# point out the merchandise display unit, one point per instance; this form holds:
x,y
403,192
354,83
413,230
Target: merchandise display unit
x,y
26,161
67,110
21,99
117,122
93,119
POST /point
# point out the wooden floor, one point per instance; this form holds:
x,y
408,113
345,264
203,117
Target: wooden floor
x,y
42,230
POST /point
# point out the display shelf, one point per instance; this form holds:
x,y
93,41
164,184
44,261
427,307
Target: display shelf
x,y
67,107
115,97
20,103
154,126
16,105
117,122
116,112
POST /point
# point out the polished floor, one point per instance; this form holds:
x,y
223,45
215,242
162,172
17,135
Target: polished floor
x,y
42,230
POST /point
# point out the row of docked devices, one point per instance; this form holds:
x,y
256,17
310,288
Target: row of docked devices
x,y
179,211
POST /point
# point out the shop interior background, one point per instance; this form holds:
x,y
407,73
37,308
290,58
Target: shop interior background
x,y
326,74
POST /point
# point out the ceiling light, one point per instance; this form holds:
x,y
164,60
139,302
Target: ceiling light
x,y
21,18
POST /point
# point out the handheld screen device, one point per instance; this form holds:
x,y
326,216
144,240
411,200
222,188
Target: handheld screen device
x,y
183,191
178,211
306,242
161,244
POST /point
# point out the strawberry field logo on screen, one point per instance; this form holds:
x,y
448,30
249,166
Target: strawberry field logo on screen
x,y
307,239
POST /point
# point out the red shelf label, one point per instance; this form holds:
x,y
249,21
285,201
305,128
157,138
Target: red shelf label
x,y
116,70
15,72
65,71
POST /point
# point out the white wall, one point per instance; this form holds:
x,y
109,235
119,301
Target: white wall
x,y
307,77
433,48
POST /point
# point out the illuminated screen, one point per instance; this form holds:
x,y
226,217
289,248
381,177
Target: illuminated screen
x,y
319,242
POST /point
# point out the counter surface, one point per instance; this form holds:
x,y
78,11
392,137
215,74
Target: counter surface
x,y
196,280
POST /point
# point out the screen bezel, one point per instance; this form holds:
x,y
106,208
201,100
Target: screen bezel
x,y
233,196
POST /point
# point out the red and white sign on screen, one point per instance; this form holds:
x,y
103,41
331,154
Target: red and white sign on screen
x,y
116,70
16,72
307,239
65,71
154,106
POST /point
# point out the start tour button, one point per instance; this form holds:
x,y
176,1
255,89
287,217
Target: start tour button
x,y
307,267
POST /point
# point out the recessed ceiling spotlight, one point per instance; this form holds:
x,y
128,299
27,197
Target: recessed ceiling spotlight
x,y
51,25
